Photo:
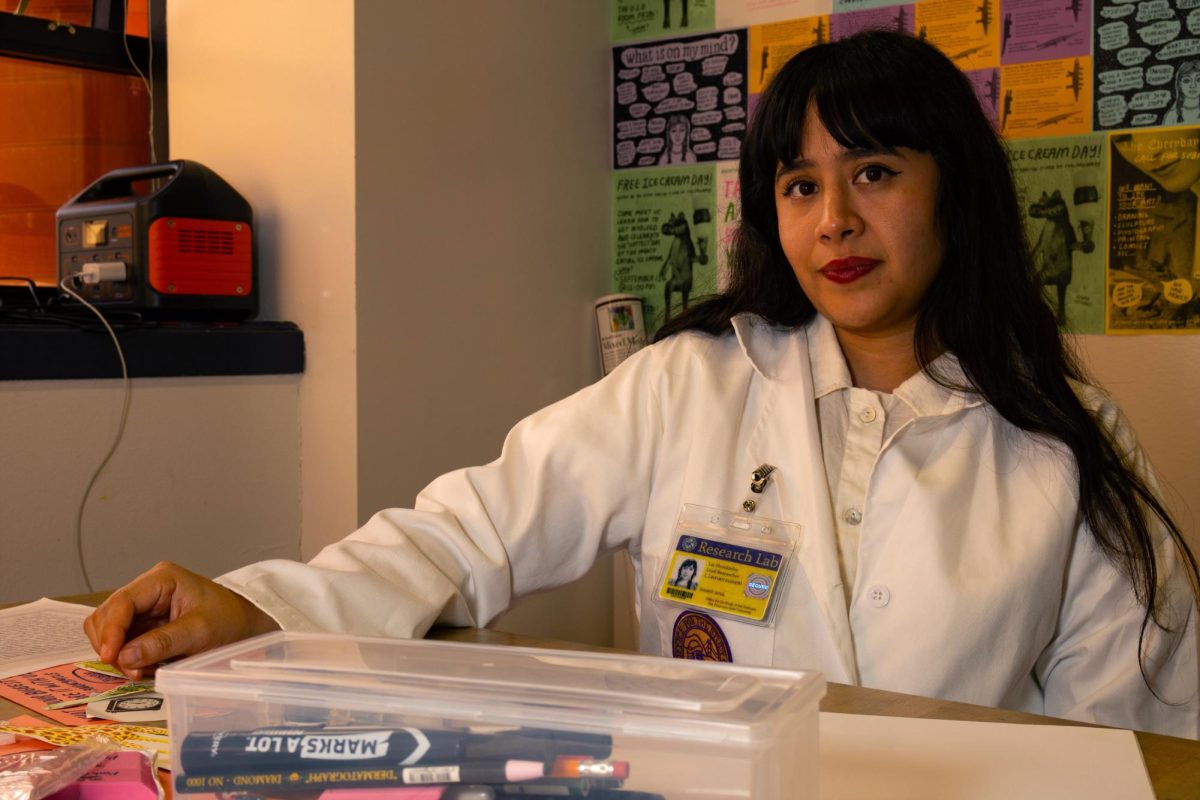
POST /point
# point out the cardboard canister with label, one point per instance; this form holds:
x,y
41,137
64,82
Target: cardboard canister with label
x,y
620,328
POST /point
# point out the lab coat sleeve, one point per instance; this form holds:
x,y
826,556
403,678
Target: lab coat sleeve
x,y
572,481
1091,672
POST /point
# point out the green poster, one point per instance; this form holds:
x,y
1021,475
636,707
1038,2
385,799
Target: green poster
x,y
656,19
663,238
1061,190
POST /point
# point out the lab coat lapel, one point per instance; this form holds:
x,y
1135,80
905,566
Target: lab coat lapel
x,y
789,437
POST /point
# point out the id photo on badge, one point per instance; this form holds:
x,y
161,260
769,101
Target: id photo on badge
x,y
685,575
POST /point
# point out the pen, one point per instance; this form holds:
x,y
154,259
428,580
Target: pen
x,y
425,793
358,777
540,746
586,767
304,748
475,772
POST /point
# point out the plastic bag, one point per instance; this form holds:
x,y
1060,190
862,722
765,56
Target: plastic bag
x,y
32,776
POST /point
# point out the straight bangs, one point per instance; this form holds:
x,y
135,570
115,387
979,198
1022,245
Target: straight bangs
x,y
875,94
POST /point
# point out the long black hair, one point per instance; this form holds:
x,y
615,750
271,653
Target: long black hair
x,y
885,90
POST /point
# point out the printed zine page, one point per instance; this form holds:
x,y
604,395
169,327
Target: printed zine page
x,y
42,634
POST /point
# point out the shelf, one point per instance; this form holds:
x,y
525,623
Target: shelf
x,y
152,350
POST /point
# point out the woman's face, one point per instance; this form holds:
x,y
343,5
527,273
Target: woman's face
x,y
678,133
1171,157
859,230
1189,84
687,570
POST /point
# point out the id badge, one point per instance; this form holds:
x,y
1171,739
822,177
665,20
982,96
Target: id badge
x,y
728,564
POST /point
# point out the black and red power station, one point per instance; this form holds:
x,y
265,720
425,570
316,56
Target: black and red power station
x,y
184,235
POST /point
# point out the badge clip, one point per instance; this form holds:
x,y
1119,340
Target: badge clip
x,y
758,482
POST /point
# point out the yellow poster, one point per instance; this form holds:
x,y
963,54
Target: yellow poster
x,y
772,45
965,30
1046,98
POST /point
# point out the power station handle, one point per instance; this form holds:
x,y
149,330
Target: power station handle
x,y
119,182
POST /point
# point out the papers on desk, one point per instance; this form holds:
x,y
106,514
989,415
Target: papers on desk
x,y
933,759
42,634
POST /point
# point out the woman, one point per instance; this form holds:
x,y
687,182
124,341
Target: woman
x,y
1186,107
884,348
679,137
685,577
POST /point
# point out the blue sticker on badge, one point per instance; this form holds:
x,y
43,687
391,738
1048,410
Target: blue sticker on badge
x,y
698,637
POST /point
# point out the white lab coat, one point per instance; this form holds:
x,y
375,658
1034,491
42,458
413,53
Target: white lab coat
x,y
976,579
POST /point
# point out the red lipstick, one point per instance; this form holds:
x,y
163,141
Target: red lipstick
x,y
848,270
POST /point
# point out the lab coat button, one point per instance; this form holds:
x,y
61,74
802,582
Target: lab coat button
x,y
879,595
852,516
867,415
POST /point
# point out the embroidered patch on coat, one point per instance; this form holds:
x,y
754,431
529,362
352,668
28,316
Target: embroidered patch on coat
x,y
698,637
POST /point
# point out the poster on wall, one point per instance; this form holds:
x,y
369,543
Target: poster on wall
x,y
900,18
1034,30
652,19
1152,272
1061,192
740,13
663,243
772,45
1147,63
986,83
729,215
965,30
1046,98
681,101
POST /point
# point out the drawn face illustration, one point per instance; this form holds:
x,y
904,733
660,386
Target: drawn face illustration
x,y
859,230
678,133
1170,157
1189,84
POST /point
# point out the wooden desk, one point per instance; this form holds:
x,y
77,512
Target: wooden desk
x,y
1172,763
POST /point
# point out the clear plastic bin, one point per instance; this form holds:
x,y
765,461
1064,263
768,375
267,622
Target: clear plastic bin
x,y
686,730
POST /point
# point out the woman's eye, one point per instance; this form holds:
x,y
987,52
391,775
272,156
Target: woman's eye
x,y
800,188
874,173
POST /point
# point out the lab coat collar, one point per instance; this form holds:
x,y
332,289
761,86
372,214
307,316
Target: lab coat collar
x,y
792,442
777,352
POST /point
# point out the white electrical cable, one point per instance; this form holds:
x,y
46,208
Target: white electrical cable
x,y
87,581
150,66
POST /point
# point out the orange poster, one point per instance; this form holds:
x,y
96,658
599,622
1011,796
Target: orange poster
x,y
772,45
1046,98
965,30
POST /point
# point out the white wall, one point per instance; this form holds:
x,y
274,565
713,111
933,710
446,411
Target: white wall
x,y
481,209
1156,380
263,93
483,224
205,475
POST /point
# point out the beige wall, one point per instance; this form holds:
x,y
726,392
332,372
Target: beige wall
x,y
205,475
482,242
444,288
263,93
1156,381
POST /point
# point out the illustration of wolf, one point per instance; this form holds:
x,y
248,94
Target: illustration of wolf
x,y
1054,245
676,272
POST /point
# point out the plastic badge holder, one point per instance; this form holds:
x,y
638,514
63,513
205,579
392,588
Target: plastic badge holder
x,y
688,729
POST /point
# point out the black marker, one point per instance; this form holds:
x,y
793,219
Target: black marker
x,y
274,749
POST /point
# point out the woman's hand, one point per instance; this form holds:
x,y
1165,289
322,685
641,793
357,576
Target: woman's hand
x,y
167,612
